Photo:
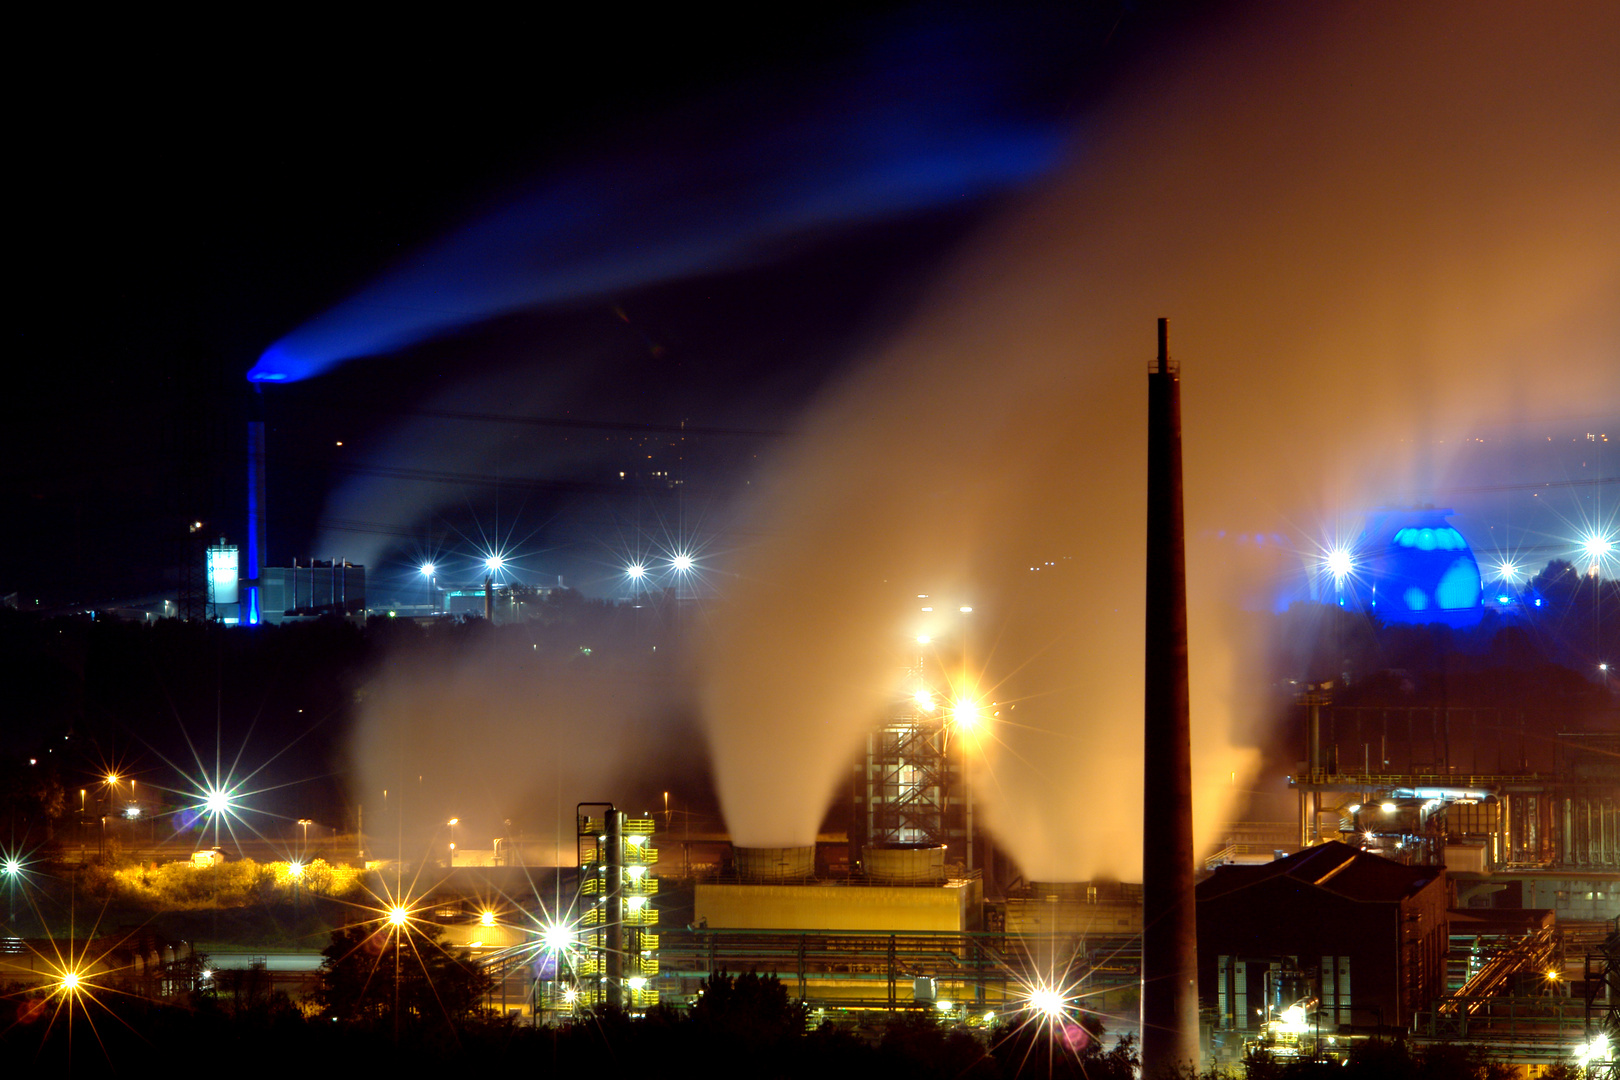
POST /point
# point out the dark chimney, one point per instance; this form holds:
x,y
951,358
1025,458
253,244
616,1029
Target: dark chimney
x,y
1169,914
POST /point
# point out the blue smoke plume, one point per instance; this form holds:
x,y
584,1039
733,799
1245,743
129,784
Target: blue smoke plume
x,y
926,121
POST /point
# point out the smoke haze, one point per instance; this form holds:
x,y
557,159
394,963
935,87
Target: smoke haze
x,y
508,745
1377,230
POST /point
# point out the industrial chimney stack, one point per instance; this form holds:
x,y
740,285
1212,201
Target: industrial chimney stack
x,y
1169,914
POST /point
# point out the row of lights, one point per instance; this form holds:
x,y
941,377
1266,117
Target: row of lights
x,y
1595,549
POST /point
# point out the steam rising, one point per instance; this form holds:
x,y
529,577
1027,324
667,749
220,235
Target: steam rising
x,y
508,745
1375,230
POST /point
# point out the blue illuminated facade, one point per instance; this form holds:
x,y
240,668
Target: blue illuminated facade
x,y
1412,566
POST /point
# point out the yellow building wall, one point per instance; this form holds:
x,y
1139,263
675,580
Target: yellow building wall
x,y
831,907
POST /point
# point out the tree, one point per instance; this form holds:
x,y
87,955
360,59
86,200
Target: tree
x,y
748,1010
370,967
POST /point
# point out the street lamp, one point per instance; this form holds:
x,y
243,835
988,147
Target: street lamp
x,y
305,823
12,868
453,822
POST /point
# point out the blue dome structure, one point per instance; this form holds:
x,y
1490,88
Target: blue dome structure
x,y
1412,566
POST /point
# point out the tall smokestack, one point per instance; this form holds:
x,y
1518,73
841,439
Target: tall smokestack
x,y
257,553
1169,917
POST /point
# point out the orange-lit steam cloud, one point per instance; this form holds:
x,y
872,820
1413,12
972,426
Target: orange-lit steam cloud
x,y
508,745
1374,228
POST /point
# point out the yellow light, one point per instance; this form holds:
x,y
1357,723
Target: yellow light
x,y
1388,808
924,700
398,916
965,712
295,870
70,980
569,994
487,919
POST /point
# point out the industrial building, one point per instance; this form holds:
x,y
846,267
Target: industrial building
x,y
1411,566
320,587
1360,938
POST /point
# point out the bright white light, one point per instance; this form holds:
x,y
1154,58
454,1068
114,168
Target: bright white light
x,y
636,872
558,937
944,1006
1388,808
1354,807
13,866
1596,1050
681,562
217,801
1292,1020
486,918
1596,547
398,916
966,609
923,639
924,700
569,994
494,562
1046,1001
636,982
70,980
635,571
1508,571
295,870
427,569
1339,564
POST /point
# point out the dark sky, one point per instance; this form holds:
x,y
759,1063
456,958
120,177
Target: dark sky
x,y
186,194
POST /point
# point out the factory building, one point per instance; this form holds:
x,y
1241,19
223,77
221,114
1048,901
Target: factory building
x,y
1353,941
321,587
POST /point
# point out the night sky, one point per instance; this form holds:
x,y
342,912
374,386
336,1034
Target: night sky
x,y
710,217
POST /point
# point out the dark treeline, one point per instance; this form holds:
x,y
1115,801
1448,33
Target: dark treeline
x,y
754,1031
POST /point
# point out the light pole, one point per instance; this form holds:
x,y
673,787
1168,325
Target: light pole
x,y
453,822
305,823
428,570
12,868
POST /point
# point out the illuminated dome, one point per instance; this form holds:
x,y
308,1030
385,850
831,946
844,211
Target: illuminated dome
x,y
1411,566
